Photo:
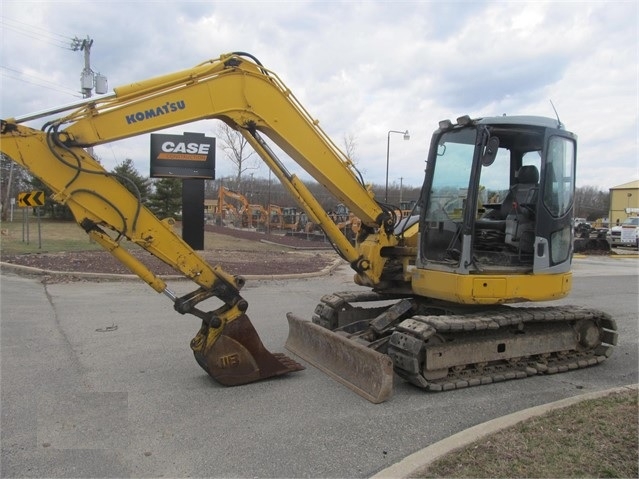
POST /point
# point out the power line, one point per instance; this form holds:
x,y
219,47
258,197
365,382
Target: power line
x,y
53,38
37,81
37,33
37,78
16,24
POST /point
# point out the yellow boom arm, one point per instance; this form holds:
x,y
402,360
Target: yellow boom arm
x,y
251,100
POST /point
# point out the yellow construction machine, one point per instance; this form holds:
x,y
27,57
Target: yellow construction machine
x,y
434,311
228,211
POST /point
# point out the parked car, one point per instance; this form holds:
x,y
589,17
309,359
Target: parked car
x,y
625,234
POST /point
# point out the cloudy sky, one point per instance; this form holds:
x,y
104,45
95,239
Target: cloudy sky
x,y
360,68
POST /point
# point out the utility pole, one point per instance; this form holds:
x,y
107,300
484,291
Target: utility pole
x,y
86,78
7,201
89,79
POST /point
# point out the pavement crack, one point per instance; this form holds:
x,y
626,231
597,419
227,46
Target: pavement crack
x,y
72,353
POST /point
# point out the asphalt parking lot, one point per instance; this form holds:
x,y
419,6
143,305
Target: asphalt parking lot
x,y
98,381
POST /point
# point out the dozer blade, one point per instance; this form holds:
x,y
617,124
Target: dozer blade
x,y
365,371
237,356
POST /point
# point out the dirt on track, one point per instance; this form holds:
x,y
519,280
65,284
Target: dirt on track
x,y
299,256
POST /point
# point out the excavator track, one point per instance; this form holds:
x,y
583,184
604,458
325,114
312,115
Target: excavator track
x,y
458,351
440,347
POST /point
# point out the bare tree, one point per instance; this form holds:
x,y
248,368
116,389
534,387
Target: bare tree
x,y
591,203
349,147
236,149
13,179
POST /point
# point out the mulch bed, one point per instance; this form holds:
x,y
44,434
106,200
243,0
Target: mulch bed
x,y
303,257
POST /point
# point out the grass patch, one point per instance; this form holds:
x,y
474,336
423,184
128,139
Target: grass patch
x,y
55,237
594,438
67,236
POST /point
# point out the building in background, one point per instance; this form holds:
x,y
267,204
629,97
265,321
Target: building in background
x,y
624,202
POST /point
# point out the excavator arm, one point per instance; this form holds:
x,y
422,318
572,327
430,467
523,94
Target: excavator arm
x,y
226,346
252,100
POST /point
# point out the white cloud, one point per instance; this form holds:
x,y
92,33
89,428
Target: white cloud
x,y
360,68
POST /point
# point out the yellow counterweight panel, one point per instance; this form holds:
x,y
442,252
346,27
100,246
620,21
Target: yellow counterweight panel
x,y
490,289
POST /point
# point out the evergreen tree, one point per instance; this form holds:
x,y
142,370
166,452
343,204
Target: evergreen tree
x,y
132,180
166,200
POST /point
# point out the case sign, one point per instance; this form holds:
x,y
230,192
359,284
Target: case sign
x,y
191,155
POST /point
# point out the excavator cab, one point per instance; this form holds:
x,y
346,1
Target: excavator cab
x,y
494,228
497,199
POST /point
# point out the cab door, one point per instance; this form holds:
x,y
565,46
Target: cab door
x,y
553,243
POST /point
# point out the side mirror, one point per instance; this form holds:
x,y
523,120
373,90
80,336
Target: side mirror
x,y
490,152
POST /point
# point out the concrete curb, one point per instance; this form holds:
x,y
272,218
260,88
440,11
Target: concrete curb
x,y
16,268
318,247
417,461
613,256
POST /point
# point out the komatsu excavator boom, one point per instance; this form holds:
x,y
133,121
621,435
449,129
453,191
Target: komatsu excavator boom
x,y
446,273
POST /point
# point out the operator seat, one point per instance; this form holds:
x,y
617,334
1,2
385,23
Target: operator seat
x,y
526,187
522,192
520,222
513,222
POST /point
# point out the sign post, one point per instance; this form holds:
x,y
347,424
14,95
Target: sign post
x,y
31,199
37,210
191,157
25,225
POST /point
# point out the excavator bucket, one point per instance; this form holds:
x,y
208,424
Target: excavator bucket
x,y
365,371
236,355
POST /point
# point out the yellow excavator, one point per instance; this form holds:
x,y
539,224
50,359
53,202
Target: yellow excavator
x,y
494,227
224,206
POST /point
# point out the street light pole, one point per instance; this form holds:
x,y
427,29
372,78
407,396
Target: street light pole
x,y
406,137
